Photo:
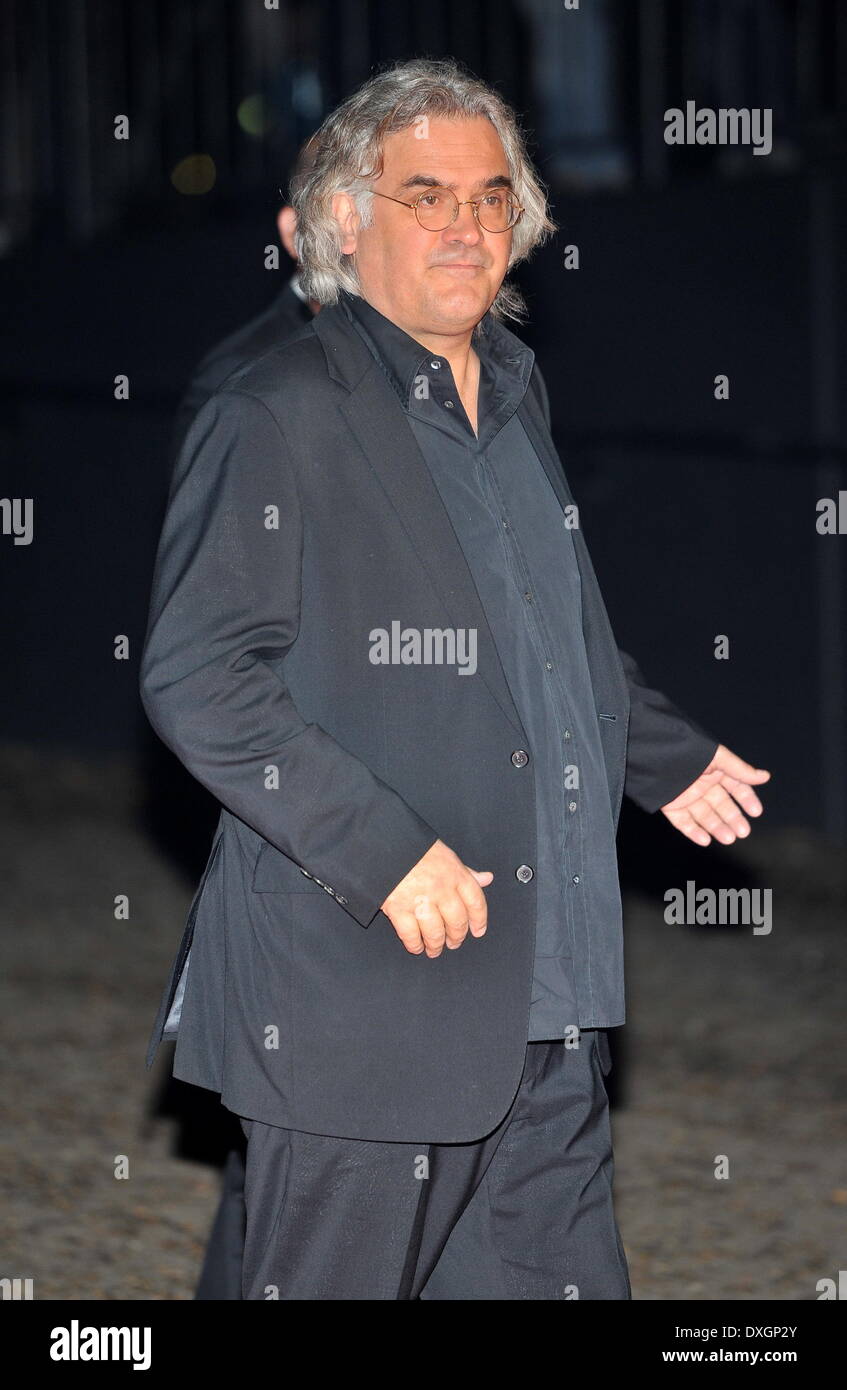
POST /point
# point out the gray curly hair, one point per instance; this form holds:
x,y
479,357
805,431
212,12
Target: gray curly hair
x,y
346,153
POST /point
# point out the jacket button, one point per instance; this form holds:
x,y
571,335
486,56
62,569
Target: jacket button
x,y
520,757
524,873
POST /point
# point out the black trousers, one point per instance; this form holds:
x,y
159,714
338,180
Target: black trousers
x,y
220,1277
524,1213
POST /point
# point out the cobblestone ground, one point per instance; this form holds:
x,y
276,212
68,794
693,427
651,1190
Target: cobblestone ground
x,y
734,1046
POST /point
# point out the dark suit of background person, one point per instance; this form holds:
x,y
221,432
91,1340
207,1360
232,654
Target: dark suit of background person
x,y
301,1006
220,1276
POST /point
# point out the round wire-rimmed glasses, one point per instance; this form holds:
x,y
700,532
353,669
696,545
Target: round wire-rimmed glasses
x,y
437,208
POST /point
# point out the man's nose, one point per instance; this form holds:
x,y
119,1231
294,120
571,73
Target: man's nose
x,y
465,227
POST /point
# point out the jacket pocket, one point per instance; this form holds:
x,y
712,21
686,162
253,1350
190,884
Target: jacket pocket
x,y
276,873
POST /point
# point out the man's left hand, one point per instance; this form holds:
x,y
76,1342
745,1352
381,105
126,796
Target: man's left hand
x,y
710,806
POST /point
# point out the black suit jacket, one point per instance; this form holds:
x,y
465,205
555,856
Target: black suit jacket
x,y
302,515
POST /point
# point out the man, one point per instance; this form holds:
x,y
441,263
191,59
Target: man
x,y
377,637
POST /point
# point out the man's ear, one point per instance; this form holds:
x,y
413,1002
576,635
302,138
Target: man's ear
x,y
286,224
345,214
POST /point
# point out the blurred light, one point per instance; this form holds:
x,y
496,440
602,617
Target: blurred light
x,y
194,175
254,115
306,95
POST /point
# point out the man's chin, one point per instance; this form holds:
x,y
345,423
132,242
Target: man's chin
x,y
462,308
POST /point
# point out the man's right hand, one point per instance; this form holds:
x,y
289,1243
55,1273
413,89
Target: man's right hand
x,y
438,902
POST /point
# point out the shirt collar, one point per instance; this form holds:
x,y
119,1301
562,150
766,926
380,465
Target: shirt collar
x,y
404,359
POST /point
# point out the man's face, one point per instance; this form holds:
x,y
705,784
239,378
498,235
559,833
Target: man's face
x,y
434,283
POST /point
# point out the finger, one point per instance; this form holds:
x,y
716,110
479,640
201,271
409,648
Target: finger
x,y
732,823
744,795
406,926
430,925
455,916
476,906
685,822
712,821
730,763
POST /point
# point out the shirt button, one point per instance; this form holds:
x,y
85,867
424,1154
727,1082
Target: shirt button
x,y
549,665
576,878
567,733
520,757
571,805
435,364
528,596
448,405
524,873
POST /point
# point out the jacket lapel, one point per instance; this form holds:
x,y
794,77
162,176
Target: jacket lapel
x,y
392,451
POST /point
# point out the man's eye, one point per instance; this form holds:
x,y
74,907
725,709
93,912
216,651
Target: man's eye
x,y
431,199
495,200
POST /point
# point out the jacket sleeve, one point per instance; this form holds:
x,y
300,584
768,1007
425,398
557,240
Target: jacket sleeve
x,y
208,377
225,609
189,403
666,751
